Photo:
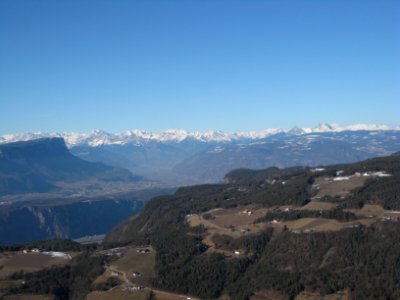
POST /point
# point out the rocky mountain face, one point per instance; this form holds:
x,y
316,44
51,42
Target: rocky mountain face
x,y
71,220
40,165
68,217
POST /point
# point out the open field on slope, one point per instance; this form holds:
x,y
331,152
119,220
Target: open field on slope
x,y
11,262
239,221
321,224
369,210
162,295
318,205
268,295
133,261
234,222
328,187
118,293
316,296
238,216
375,211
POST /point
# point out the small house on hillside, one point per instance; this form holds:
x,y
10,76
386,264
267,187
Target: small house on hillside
x,y
136,274
143,251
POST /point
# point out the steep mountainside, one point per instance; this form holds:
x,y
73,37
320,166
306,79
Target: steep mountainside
x,y
68,217
38,165
279,231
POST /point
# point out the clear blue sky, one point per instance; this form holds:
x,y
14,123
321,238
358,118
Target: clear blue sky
x,y
197,65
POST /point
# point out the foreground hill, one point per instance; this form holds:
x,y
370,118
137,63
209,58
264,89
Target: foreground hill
x,y
278,232
39,165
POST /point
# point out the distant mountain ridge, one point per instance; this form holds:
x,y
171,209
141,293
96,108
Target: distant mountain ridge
x,y
37,166
99,137
178,157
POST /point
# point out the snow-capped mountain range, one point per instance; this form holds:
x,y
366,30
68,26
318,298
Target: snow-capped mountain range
x,y
99,137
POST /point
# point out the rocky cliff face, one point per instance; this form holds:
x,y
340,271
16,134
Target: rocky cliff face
x,y
72,220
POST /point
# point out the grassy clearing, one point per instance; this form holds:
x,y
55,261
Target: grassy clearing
x,y
161,295
30,262
316,296
103,277
239,216
133,261
369,210
237,222
322,225
234,222
328,187
268,295
318,205
119,294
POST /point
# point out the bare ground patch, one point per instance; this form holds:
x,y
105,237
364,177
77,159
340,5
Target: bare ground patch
x,y
322,225
329,187
118,293
316,296
318,205
132,261
29,262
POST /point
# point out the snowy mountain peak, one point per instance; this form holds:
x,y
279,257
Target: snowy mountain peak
x,y
99,137
326,127
296,131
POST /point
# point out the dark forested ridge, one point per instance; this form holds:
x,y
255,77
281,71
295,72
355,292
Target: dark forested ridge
x,y
361,259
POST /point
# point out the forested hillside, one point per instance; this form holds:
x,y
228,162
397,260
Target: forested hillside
x,y
361,256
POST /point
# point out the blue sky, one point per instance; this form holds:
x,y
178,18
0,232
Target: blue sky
x,y
197,65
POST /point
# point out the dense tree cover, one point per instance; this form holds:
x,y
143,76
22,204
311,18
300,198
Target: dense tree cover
x,y
250,244
384,191
248,176
69,282
364,260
